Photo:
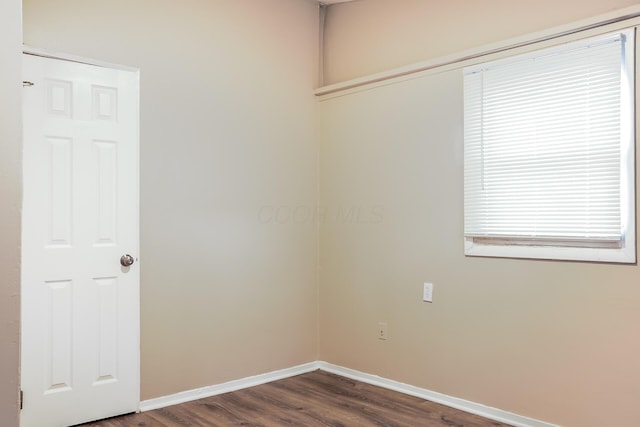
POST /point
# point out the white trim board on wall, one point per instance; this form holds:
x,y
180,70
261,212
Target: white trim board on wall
x,y
612,21
226,387
433,396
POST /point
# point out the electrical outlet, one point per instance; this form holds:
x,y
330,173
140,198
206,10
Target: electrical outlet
x,y
427,292
383,332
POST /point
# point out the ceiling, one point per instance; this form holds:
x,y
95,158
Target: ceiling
x,y
334,1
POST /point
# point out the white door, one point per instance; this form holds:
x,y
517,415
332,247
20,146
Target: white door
x,y
80,306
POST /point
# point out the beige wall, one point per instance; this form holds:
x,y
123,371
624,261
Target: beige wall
x,y
227,132
369,36
11,197
556,341
228,185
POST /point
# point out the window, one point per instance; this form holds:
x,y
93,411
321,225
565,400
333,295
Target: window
x,y
549,153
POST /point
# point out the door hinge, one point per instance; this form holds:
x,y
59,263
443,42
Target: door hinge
x,y
21,398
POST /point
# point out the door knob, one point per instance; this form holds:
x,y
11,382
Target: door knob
x,y
126,260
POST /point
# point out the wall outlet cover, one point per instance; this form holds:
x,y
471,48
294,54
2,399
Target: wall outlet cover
x,y
427,292
383,332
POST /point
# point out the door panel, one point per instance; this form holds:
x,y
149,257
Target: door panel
x,y
80,307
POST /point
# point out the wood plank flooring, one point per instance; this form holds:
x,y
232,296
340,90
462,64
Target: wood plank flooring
x,y
315,399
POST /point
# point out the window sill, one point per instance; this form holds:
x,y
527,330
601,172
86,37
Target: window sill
x,y
624,255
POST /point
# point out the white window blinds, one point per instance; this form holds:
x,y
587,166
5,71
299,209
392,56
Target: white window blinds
x,y
547,140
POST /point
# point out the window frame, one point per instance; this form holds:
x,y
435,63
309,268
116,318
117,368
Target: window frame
x,y
625,251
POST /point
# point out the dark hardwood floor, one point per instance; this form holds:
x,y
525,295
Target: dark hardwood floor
x,y
314,399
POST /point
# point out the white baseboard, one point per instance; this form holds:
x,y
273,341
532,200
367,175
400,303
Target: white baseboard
x,y
453,402
200,393
433,396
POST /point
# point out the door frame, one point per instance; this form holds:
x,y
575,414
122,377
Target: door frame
x,y
45,53
29,50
